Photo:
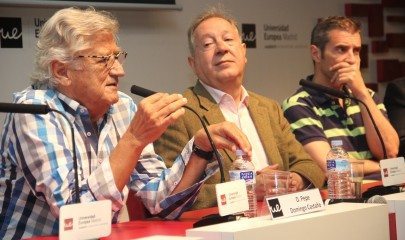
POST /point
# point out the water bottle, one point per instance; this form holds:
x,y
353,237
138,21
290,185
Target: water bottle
x,y
244,169
338,172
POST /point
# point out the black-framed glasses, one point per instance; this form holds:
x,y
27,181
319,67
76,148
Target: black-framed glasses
x,y
109,59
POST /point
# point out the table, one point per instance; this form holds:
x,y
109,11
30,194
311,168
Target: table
x,y
148,227
153,226
364,187
349,221
144,228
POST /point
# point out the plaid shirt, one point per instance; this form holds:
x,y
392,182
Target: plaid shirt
x,y
36,169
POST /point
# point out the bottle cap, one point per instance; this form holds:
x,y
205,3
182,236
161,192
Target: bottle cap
x,y
336,143
239,152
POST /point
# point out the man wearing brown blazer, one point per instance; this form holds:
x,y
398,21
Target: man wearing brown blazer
x,y
218,58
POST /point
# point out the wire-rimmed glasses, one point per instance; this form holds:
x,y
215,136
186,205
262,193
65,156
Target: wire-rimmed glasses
x,y
109,59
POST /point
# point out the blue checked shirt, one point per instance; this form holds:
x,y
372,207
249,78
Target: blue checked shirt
x,y
36,171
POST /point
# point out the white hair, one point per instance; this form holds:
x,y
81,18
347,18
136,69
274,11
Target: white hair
x,y
63,35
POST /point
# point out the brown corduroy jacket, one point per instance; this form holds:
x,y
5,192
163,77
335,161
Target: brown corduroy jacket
x,y
278,141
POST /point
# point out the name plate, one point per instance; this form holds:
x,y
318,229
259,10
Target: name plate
x,y
392,171
293,204
85,220
232,197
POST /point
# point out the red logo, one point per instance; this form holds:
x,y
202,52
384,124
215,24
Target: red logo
x,y
68,224
223,199
385,170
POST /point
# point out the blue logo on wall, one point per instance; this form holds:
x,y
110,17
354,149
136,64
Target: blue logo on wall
x,y
10,32
249,35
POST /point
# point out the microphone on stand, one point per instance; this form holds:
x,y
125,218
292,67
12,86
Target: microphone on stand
x,y
44,109
212,218
321,88
341,94
143,92
374,199
24,108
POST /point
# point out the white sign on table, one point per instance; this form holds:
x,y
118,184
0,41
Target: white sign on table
x,y
392,171
293,204
232,197
85,220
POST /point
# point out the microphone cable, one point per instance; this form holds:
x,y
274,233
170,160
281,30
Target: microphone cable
x,y
74,155
44,109
143,92
341,94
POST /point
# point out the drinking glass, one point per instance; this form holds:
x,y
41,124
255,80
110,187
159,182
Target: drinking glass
x,y
275,183
356,178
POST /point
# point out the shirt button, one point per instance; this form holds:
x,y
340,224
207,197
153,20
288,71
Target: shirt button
x,y
175,183
88,134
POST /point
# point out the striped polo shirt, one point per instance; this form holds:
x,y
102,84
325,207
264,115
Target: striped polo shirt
x,y
315,116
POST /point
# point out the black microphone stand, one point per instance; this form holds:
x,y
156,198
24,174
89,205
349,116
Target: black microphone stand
x,y
343,95
377,190
374,124
44,109
214,148
212,218
143,92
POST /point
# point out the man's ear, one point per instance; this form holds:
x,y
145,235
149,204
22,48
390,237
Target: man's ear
x,y
244,51
316,53
60,72
191,63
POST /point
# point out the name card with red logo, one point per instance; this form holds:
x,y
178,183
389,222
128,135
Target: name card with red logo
x,y
232,197
85,220
392,171
294,204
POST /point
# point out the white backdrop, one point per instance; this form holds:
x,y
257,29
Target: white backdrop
x,y
157,45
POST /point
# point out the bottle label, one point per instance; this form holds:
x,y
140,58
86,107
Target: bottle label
x,y
248,175
339,164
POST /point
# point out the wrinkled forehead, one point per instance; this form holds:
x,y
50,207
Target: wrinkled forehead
x,y
215,25
343,37
102,43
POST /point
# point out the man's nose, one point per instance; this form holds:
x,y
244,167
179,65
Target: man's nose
x,y
350,58
117,69
222,46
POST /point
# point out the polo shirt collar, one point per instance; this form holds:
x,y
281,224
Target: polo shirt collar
x,y
318,96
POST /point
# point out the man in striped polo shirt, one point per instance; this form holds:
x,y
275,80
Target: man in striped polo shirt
x,y
317,118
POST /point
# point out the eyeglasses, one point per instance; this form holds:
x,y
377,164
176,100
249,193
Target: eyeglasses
x,y
109,60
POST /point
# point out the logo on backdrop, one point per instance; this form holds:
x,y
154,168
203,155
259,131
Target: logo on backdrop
x,y
10,32
249,35
275,207
282,35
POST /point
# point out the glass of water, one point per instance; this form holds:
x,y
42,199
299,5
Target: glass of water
x,y
356,177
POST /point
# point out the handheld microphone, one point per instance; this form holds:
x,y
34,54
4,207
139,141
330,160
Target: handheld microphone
x,y
341,94
44,109
143,92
